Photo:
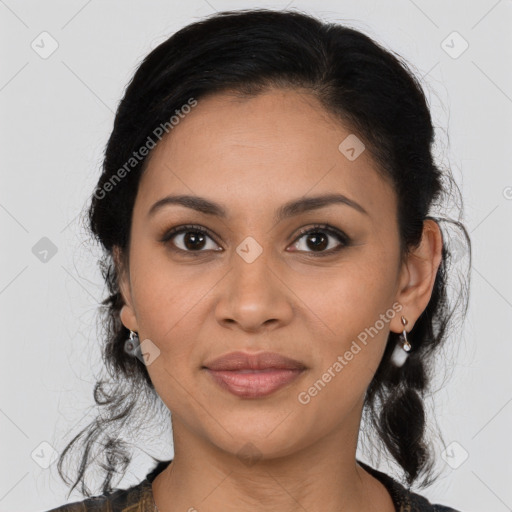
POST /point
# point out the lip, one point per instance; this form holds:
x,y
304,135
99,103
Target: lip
x,y
259,361
253,375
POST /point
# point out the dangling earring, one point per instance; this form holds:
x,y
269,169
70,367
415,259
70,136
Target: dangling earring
x,y
402,348
132,343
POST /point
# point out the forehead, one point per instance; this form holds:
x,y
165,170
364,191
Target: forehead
x,y
277,145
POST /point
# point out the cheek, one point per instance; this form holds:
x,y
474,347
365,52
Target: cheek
x,y
162,307
349,312
168,314
167,295
355,325
347,299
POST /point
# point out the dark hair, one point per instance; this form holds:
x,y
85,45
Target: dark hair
x,y
370,90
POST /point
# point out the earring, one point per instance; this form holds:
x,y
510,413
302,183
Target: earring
x,y
402,348
132,343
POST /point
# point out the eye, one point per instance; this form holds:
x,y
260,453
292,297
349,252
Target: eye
x,y
194,239
191,238
317,238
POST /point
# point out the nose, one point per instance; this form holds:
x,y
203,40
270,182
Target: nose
x,y
253,296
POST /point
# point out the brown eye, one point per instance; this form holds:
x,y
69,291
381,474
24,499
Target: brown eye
x,y
194,240
189,239
319,239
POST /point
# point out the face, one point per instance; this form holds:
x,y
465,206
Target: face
x,y
315,284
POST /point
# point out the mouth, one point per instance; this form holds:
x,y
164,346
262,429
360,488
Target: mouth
x,y
254,383
253,375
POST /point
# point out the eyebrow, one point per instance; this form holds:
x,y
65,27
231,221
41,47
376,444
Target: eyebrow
x,y
289,209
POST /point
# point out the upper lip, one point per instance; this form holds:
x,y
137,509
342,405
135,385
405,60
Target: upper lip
x,y
259,361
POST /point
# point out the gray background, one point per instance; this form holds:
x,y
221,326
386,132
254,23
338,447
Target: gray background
x,y
57,112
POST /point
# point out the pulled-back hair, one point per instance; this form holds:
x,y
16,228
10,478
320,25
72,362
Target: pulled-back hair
x,y
374,93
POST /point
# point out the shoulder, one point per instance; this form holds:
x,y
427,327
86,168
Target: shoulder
x,y
412,502
135,498
419,503
138,498
403,498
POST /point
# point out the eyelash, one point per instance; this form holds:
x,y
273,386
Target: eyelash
x,y
341,237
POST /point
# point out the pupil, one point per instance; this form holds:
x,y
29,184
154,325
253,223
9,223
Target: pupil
x,y
192,237
318,244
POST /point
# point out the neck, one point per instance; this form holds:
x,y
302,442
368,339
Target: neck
x,y
321,477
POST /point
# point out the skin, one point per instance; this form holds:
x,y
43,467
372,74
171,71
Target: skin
x,y
251,155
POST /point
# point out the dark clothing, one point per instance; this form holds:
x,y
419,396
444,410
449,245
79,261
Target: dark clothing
x,y
139,498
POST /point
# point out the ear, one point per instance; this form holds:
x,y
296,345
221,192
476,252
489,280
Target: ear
x,y
418,275
127,313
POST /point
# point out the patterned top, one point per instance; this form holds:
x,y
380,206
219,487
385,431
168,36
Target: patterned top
x,y
139,498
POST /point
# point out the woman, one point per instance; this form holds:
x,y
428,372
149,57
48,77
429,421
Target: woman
x,y
276,275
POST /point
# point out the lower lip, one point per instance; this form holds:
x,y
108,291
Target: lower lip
x,y
253,384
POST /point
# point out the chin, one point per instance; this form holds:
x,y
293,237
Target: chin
x,y
251,442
